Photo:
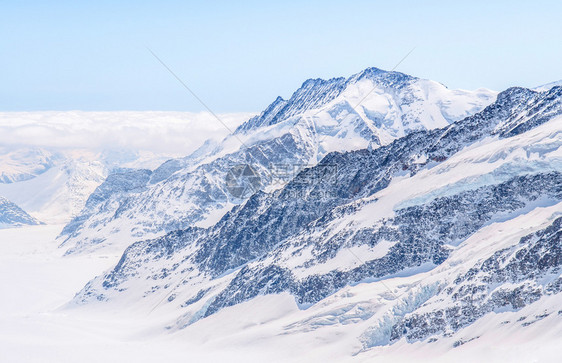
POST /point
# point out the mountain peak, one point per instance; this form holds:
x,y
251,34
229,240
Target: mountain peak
x,y
314,93
370,71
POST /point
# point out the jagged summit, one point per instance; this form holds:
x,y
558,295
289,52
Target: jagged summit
x,y
317,92
312,94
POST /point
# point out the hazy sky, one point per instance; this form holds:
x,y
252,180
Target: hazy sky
x,y
238,56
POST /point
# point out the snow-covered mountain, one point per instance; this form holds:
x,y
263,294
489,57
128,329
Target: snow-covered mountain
x,y
369,109
438,236
13,216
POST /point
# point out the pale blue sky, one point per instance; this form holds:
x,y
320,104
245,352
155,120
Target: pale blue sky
x,y
238,56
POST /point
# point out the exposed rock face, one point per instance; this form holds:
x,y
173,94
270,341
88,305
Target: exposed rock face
x,y
510,279
419,235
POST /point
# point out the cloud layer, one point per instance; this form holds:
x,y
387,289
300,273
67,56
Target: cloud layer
x,y
160,132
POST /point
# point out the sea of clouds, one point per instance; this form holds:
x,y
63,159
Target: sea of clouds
x,y
159,132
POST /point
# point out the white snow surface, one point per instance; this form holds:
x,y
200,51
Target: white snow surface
x,y
37,326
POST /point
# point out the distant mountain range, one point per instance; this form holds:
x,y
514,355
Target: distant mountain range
x,y
50,162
